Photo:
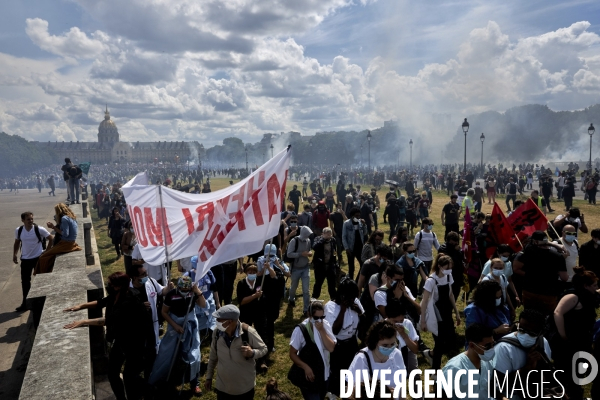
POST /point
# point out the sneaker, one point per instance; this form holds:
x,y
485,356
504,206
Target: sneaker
x,y
427,355
263,367
273,350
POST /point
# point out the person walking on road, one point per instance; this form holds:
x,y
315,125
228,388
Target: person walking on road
x,y
31,240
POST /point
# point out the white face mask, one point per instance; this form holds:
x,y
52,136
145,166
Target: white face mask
x,y
447,271
498,302
487,355
497,272
355,219
220,326
505,259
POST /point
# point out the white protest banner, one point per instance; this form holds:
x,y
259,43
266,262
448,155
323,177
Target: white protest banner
x,y
218,226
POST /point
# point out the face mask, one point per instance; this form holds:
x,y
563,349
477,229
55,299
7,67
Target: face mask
x,y
569,238
294,224
355,219
381,261
487,355
386,351
597,241
430,227
497,272
498,302
131,230
545,240
251,277
505,259
410,255
447,271
220,326
526,340
144,280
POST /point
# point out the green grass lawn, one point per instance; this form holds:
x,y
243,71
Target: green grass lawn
x,y
279,362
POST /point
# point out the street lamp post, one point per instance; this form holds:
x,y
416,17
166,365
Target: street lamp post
x,y
271,150
246,149
465,128
591,131
369,142
411,143
482,138
361,155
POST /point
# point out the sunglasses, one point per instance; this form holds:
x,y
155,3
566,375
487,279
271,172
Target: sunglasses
x,y
410,251
322,317
527,332
486,347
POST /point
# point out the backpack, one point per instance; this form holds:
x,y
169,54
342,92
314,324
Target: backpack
x,y
287,259
421,237
590,185
402,204
411,312
513,188
311,356
377,393
37,233
555,389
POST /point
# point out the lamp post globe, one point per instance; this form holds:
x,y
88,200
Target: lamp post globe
x,y
465,128
591,131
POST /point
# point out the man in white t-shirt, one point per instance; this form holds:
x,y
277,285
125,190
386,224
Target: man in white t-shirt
x,y
393,280
571,217
30,239
568,241
425,241
156,272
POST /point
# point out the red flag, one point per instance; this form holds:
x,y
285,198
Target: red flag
x,y
527,219
500,232
468,237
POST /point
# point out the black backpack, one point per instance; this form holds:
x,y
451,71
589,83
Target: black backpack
x,y
310,355
286,258
37,233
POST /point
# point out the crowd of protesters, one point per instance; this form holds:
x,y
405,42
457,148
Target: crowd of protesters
x,y
395,283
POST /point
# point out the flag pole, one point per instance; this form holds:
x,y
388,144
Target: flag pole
x,y
264,267
164,236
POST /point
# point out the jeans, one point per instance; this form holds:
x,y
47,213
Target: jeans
x,y
304,274
27,267
559,192
74,190
477,206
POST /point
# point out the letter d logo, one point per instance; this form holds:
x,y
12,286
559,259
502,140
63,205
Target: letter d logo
x,y
582,368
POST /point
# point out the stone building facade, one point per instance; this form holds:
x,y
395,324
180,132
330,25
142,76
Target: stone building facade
x,y
110,148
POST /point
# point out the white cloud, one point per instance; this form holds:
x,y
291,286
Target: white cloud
x,y
74,43
188,70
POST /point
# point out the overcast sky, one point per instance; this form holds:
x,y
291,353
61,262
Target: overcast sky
x,y
208,69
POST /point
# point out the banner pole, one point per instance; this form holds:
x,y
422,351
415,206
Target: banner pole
x,y
162,227
262,282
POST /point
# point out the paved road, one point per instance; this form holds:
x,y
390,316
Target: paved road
x,y
16,333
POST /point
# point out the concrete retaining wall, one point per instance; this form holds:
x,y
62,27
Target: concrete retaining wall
x,y
60,365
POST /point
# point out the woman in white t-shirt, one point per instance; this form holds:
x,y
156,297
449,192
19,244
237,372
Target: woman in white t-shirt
x,y
436,309
320,333
497,274
381,354
343,314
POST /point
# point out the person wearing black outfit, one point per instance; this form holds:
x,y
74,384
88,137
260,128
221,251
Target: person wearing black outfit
x,y
450,215
547,191
589,253
294,196
511,194
568,193
451,248
337,218
574,320
116,223
541,268
252,312
392,212
65,169
325,264
129,330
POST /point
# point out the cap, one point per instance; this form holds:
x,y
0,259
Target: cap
x,y
539,235
348,196
227,312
